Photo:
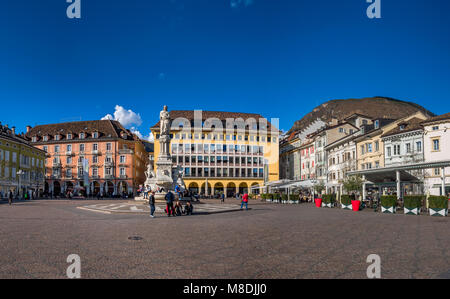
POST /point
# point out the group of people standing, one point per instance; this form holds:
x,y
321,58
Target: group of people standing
x,y
178,209
173,208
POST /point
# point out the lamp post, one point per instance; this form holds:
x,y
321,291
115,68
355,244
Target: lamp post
x,y
19,173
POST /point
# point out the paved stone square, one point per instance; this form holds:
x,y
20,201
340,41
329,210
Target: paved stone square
x,y
268,241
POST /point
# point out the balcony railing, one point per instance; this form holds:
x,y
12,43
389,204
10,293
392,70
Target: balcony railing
x,y
125,151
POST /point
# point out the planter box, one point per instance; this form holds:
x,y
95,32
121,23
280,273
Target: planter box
x,y
268,200
438,212
355,205
327,205
284,201
346,207
318,202
388,210
412,211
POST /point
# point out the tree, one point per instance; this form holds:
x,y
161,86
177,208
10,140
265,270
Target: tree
x,y
319,187
353,183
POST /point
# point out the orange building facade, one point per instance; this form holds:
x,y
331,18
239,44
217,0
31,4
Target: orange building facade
x,y
90,158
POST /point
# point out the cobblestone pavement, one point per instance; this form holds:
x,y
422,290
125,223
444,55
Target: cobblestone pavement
x,y
138,208
268,241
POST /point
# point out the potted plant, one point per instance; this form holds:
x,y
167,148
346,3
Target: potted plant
x,y
388,203
346,201
438,205
284,198
356,204
328,200
318,202
294,198
276,197
412,204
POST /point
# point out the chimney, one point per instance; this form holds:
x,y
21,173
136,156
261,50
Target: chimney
x,y
28,129
13,130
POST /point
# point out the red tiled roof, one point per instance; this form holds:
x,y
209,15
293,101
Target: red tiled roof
x,y
221,115
105,129
445,116
411,125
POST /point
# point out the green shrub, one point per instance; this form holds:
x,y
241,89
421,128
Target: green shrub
x,y
413,201
389,200
438,202
347,199
276,196
328,198
294,197
284,197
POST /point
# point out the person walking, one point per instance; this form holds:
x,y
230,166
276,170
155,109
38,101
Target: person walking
x,y
10,197
151,202
223,197
169,204
244,201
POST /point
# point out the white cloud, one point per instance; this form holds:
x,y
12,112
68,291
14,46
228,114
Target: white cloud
x,y
126,117
130,120
140,135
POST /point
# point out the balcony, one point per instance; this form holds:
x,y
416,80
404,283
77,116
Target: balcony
x,y
69,153
123,177
126,152
109,163
96,152
109,176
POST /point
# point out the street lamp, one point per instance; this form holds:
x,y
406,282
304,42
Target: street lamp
x,y
19,173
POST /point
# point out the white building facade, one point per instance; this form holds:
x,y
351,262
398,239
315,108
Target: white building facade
x,y
437,148
341,159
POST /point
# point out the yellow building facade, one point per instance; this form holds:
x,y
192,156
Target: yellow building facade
x,y
21,165
217,157
369,146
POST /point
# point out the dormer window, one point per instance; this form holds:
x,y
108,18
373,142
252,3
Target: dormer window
x,y
402,127
56,137
45,138
69,136
95,135
377,124
82,135
34,139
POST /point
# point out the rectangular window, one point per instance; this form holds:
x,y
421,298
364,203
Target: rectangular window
x,y
436,146
408,147
437,171
419,146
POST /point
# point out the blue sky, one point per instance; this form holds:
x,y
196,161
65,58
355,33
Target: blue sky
x,y
280,58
